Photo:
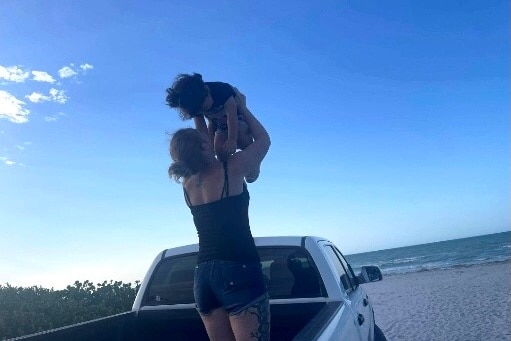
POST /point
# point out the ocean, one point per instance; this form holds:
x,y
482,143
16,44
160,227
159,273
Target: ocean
x,y
483,249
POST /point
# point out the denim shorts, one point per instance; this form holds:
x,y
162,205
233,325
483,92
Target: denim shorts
x,y
234,286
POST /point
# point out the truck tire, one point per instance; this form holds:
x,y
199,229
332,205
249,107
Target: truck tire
x,y
378,334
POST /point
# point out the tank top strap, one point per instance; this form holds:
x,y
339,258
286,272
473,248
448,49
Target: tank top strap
x,y
225,190
187,198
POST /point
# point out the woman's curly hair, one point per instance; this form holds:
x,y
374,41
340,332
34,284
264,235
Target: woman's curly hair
x,y
186,152
187,94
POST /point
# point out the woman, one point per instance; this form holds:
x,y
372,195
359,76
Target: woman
x,y
229,287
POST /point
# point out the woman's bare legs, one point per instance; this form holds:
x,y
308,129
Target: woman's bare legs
x,y
218,326
252,323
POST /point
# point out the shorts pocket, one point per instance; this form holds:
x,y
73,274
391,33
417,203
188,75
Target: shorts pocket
x,y
198,274
238,276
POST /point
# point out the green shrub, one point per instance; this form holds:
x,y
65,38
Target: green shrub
x,y
29,310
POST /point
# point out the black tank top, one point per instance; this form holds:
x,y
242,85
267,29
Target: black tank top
x,y
223,227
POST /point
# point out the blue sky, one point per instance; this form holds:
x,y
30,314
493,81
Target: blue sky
x,y
389,124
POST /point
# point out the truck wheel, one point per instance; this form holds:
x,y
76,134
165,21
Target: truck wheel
x,y
378,334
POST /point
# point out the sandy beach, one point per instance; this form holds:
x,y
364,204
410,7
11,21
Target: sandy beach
x,y
464,303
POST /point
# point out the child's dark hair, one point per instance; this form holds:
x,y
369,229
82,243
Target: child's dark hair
x,y
187,93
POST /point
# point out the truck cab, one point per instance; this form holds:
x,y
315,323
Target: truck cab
x,y
314,294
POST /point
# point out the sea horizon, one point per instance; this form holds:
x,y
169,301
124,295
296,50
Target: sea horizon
x,y
467,251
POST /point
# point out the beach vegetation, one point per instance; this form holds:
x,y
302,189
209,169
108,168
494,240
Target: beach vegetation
x,y
27,310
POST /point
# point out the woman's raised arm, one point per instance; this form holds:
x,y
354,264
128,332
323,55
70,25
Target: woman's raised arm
x,y
251,157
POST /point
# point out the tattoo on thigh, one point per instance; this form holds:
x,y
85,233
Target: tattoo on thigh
x,y
262,312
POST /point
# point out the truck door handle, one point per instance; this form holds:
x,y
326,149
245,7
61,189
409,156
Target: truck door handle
x,y
360,319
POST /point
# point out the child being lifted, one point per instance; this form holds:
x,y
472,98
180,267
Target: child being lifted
x,y
222,104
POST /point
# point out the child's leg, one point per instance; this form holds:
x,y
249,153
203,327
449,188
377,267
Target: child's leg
x,y
220,138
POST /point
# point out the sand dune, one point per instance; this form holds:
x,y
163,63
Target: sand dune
x,y
464,303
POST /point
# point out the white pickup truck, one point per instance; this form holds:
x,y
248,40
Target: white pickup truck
x,y
314,295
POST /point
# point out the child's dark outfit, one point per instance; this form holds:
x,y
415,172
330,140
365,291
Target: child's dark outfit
x,y
220,93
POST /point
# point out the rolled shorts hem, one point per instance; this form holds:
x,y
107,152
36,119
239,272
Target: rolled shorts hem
x,y
249,304
206,313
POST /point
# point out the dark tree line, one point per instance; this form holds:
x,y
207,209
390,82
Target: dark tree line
x,y
33,309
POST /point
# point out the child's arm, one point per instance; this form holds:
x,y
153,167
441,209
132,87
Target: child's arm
x,y
200,124
209,129
231,110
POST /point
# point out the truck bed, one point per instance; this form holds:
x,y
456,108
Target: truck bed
x,y
288,321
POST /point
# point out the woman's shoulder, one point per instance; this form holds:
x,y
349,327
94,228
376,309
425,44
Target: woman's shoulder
x,y
204,187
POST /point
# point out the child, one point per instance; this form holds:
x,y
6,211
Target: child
x,y
222,105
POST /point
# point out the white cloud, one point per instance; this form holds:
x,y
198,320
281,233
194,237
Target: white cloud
x,y
86,67
53,118
13,74
36,97
23,145
67,72
71,71
58,96
42,76
55,95
12,109
7,161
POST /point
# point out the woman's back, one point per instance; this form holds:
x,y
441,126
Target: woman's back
x,y
222,224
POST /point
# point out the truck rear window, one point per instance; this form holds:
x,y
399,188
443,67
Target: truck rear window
x,y
289,273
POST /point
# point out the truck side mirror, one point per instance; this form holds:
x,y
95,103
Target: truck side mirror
x,y
369,274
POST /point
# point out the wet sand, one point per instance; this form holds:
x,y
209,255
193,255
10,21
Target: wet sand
x,y
464,303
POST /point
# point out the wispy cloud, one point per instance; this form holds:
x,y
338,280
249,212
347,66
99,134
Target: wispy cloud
x,y
17,74
67,72
6,161
55,117
86,67
13,74
55,95
71,70
12,108
24,145
36,97
42,76
58,96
